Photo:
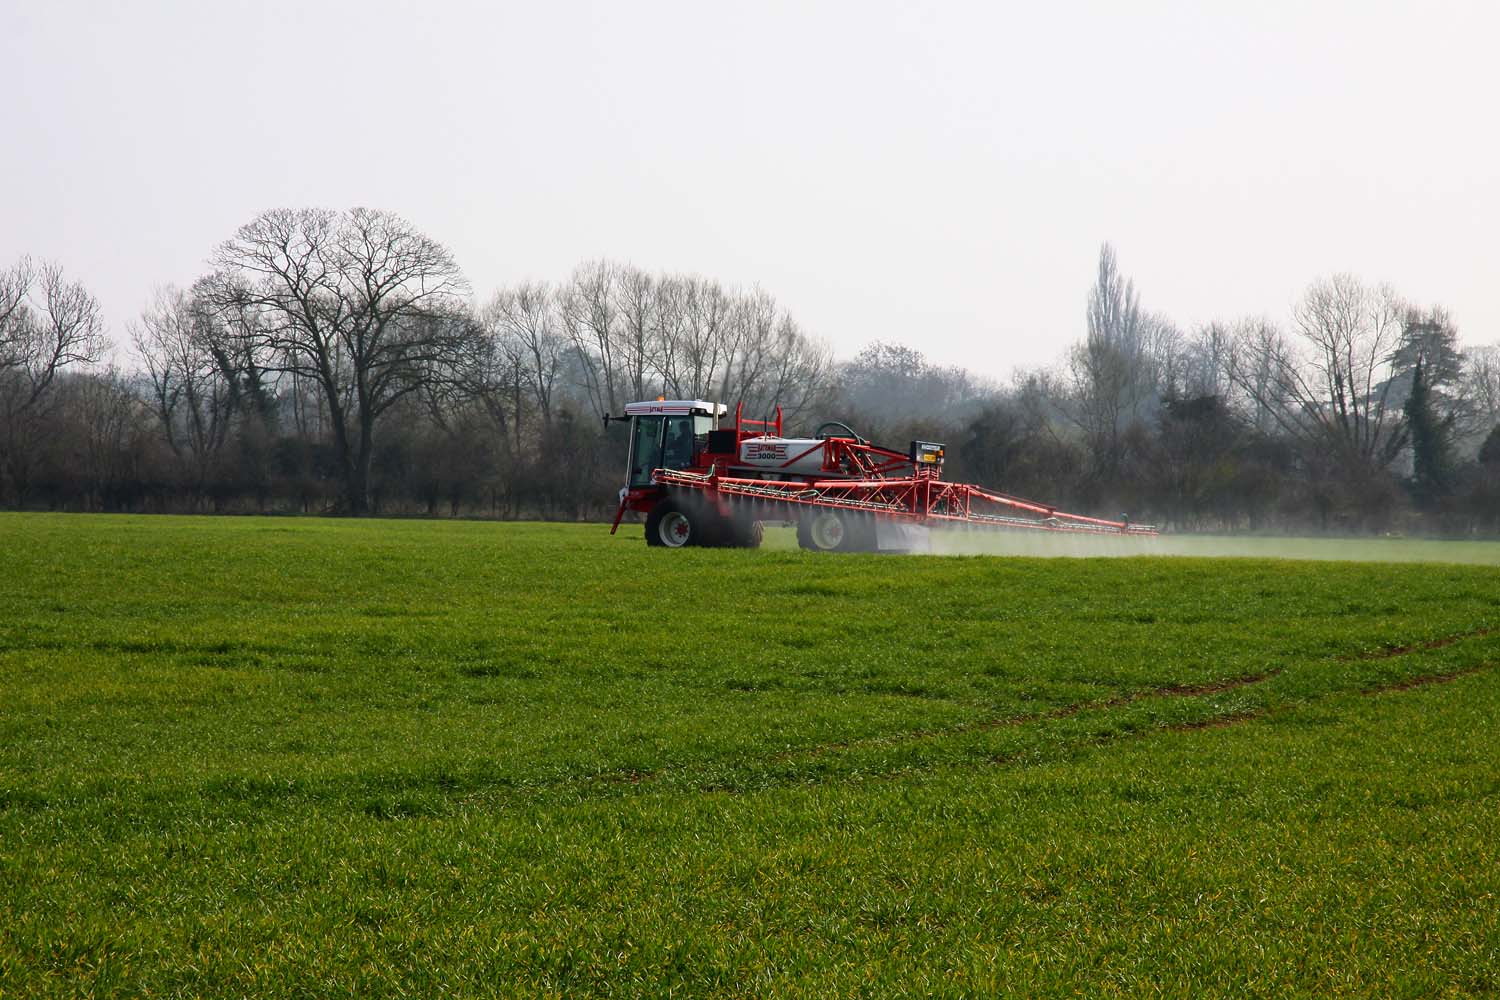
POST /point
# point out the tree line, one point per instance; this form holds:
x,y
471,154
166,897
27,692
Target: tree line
x,y
339,362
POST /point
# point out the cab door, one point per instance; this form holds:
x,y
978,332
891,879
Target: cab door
x,y
645,450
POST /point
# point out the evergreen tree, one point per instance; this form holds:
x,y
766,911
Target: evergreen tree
x,y
1431,442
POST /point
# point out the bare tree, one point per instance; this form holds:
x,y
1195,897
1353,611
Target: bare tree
x,y
1122,366
706,342
1352,331
1206,362
752,341
47,324
696,342
1114,311
1160,364
15,285
637,304
111,425
1331,389
638,334
896,383
733,347
525,324
192,394
1481,387
1257,353
591,322
795,372
359,303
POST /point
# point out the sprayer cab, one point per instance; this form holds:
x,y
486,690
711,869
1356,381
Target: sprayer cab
x,y
668,434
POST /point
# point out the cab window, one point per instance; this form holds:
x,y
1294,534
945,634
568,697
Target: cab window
x,y
701,426
677,446
645,449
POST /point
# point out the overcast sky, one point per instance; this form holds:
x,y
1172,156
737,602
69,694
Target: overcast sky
x,y
940,175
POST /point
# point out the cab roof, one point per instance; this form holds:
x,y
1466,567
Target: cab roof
x,y
674,407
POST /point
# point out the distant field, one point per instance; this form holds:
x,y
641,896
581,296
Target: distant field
x,y
268,757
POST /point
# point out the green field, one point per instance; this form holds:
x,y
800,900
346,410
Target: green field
x,y
254,757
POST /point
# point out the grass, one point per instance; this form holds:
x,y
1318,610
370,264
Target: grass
x,y
335,758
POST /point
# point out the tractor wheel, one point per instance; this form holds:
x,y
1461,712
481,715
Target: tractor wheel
x,y
731,532
834,531
672,526
746,534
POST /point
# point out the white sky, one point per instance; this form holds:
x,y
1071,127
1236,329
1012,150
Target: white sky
x,y
939,175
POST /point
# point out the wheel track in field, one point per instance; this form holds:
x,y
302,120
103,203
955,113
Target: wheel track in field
x,y
1061,712
1163,691
1390,687
798,766
692,777
1419,647
1190,691
804,754
1447,677
811,754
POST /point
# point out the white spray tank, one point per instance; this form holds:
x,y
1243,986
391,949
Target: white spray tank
x,y
784,456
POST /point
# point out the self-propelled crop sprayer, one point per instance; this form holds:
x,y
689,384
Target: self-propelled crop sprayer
x,y
703,481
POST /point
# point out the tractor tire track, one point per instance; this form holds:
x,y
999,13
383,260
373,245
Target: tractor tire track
x,y
637,777
1218,721
1169,690
1391,687
1197,690
1061,712
1447,677
1419,647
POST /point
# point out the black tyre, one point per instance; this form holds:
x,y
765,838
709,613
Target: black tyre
x,y
672,525
717,531
746,534
835,531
